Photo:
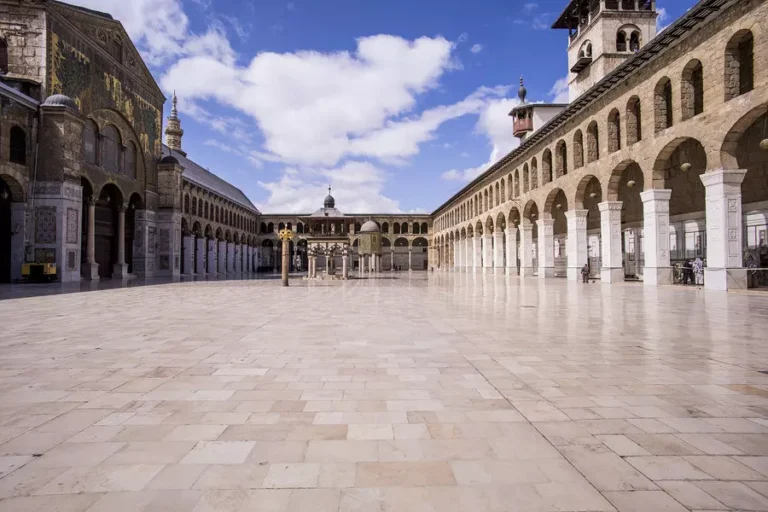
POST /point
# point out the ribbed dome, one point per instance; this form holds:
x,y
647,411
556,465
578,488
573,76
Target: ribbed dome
x,y
370,227
60,100
329,202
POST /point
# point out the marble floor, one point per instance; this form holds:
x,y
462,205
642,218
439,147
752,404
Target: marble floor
x,y
434,393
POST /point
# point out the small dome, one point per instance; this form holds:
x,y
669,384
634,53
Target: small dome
x,y
169,160
60,100
370,227
329,202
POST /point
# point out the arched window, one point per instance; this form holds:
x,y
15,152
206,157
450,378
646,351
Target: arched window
x,y
517,183
90,134
621,41
416,227
614,131
281,226
526,178
424,228
205,209
18,153
3,56
216,217
396,228
534,174
692,90
496,195
663,104
578,149
194,206
586,49
739,64
270,228
503,189
186,203
404,229
110,149
130,160
300,228
634,121
593,142
385,227
634,41
546,167
561,151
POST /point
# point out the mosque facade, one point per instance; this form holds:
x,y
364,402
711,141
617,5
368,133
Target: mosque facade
x,y
660,157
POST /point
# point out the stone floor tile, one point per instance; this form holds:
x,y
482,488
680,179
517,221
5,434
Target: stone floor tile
x,y
496,472
573,496
643,501
278,451
27,479
404,474
667,468
606,470
688,495
724,468
101,479
316,500
225,500
9,464
163,452
79,454
219,452
735,495
69,503
707,444
342,451
362,432
290,476
195,433
391,499
231,476
415,431
759,464
338,476
177,477
622,445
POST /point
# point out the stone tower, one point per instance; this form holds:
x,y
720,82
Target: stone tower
x,y
173,131
601,35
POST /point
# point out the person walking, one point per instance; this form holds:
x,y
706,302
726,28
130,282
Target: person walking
x,y
585,273
687,272
698,271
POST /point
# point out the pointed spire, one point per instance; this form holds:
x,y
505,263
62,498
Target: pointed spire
x,y
522,92
173,131
174,111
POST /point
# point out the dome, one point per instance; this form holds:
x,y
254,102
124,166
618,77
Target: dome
x,y
329,202
60,100
169,160
370,227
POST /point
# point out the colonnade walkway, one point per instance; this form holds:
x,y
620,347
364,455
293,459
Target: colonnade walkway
x,y
434,392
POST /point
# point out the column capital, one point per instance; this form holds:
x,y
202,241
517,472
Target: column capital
x,y
723,176
545,222
91,201
656,194
122,207
610,205
576,214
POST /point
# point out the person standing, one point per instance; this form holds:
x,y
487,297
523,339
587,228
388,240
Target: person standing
x,y
687,272
585,273
698,271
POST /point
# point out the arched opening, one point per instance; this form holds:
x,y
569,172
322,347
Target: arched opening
x,y
401,253
614,131
267,256
556,205
662,99
385,228
534,174
106,233
110,149
416,227
634,41
10,192
403,228
18,149
530,216
561,167
593,143
396,228
90,146
517,183
424,228
419,256
270,228
503,189
625,185
679,167
526,178
263,228
130,164
578,149
281,226
621,41
496,195
546,167
134,203
3,56
739,64
634,121
692,90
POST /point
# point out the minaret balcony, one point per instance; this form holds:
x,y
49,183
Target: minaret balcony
x,y
581,64
521,126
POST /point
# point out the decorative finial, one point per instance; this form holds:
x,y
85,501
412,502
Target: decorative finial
x,y
174,112
522,92
329,189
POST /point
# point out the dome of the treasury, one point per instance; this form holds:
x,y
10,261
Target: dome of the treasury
x,y
60,100
370,227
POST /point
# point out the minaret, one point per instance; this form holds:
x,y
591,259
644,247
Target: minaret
x,y
173,131
522,115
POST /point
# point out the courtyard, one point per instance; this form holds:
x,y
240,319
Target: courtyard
x,y
441,392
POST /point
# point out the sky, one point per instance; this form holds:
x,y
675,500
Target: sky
x,y
396,104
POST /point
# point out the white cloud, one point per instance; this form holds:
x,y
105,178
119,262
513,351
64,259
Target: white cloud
x,y
357,187
463,37
559,91
476,48
530,7
662,21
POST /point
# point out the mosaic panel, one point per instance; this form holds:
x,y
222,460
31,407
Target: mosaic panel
x,y
45,224
165,240
72,260
73,226
151,239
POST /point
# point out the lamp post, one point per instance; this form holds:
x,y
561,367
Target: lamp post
x,y
286,235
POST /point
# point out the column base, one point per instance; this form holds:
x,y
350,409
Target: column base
x,y
527,272
499,271
546,272
91,271
657,276
612,275
573,273
724,279
120,270
487,270
511,271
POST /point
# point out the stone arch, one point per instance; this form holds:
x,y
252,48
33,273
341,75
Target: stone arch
x,y
503,189
534,174
561,159
634,121
616,179
546,167
628,39
470,231
197,230
578,149
729,155
401,242
530,211
745,138
463,233
104,191
496,194
479,228
585,189
678,167
500,222
739,64
550,202
614,131
489,225
219,234
692,89
593,142
14,188
662,101
513,216
526,177
625,184
517,183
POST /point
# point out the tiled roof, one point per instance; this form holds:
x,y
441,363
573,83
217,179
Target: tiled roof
x,y
206,179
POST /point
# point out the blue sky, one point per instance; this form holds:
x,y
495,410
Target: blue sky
x,y
396,103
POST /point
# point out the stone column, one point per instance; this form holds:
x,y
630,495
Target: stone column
x,y
392,256
511,251
230,258
656,236
455,262
498,249
476,254
410,258
344,266
576,243
91,268
612,270
222,257
189,254
725,261
212,259
487,241
120,269
468,255
526,250
546,248
200,266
